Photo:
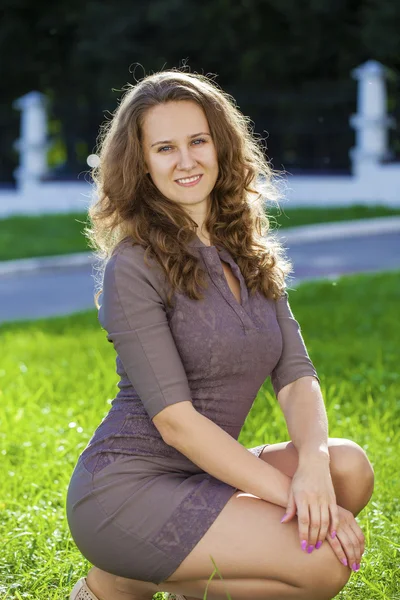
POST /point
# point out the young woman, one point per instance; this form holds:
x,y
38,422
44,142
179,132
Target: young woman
x,y
194,302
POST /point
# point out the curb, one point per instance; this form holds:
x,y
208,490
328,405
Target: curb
x,y
331,231
24,265
295,235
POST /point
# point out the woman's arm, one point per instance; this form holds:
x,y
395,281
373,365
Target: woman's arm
x,y
304,409
312,494
219,454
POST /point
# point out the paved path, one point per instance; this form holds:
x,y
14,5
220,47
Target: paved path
x,y
57,291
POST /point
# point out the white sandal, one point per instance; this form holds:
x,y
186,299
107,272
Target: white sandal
x,y
80,591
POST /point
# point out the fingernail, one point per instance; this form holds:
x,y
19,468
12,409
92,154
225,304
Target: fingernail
x,y
344,561
354,567
318,545
358,566
333,534
304,544
310,549
284,517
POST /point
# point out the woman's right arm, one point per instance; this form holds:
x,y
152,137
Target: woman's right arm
x,y
219,454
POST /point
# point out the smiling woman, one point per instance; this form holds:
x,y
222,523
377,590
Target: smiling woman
x,y
169,128
194,301
189,160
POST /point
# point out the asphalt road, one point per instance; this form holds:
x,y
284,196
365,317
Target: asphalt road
x,y
52,292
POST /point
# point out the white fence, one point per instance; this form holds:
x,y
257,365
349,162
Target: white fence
x,y
372,181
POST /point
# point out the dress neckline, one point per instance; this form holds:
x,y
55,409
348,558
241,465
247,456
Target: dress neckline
x,y
197,242
212,255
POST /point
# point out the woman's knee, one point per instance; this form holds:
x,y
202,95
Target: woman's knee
x,y
328,580
348,459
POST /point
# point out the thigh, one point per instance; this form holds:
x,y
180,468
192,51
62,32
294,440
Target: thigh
x,y
247,541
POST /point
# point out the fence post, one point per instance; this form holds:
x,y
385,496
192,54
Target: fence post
x,y
32,144
371,121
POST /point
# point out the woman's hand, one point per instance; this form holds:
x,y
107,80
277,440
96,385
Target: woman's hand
x,y
313,495
312,498
348,544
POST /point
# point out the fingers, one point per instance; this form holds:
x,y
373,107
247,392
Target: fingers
x,y
338,550
355,547
348,545
323,532
314,527
358,532
304,522
334,513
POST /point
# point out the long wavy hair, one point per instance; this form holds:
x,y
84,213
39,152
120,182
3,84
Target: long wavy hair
x,y
126,203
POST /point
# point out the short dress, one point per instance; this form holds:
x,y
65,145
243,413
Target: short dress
x,y
136,506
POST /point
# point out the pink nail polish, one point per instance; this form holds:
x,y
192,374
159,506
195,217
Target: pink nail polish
x,y
310,549
354,566
303,544
333,534
283,518
318,545
344,561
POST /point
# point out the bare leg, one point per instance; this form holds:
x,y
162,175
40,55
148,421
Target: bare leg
x,y
353,479
352,473
239,589
110,587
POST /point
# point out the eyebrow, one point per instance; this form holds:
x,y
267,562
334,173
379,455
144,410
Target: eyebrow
x,y
189,137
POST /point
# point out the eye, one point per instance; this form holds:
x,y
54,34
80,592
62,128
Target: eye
x,y
198,140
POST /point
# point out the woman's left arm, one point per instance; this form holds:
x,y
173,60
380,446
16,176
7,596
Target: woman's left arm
x,y
312,492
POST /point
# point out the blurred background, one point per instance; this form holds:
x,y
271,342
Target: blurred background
x,y
288,63
318,79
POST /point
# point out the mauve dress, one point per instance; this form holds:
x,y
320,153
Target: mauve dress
x,y
136,506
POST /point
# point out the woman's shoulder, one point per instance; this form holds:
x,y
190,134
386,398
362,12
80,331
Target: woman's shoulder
x,y
128,260
128,247
127,251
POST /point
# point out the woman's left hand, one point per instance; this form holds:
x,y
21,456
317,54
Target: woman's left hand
x,y
313,497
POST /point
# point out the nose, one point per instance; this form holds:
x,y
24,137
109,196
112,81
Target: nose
x,y
186,160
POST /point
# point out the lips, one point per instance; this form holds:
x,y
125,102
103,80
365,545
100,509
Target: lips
x,y
191,183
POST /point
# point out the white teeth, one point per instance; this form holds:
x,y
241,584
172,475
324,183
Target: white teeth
x,y
189,179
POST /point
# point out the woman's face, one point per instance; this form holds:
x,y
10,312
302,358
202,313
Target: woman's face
x,y
177,145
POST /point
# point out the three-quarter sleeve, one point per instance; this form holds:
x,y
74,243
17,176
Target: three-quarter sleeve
x,y
294,361
133,314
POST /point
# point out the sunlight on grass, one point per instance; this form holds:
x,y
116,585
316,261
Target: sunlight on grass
x,y
57,379
52,234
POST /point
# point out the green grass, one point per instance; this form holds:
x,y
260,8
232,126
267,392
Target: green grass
x,y
47,235
56,380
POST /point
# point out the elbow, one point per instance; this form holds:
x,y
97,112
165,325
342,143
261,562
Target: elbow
x,y
172,419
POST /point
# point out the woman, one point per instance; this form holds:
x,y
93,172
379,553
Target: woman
x,y
194,301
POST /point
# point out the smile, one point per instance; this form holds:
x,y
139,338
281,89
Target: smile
x,y
189,181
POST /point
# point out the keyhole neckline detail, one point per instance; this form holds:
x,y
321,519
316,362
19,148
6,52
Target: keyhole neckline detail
x,y
199,243
224,255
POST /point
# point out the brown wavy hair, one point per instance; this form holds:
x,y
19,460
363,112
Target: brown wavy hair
x,y
128,204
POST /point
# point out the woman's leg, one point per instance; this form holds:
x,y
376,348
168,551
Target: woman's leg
x,y
351,470
258,559
352,475
110,587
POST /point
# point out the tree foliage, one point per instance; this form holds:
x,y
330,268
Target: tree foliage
x,y
82,52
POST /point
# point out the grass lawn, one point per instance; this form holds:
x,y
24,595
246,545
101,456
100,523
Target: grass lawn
x,y
47,235
56,381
